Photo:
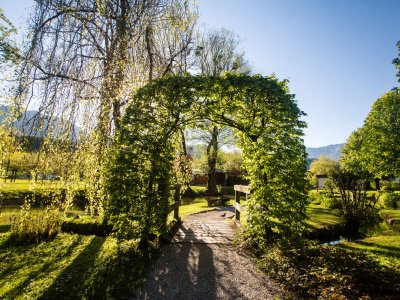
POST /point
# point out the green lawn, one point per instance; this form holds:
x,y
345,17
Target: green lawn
x,y
320,216
194,205
26,185
71,266
384,243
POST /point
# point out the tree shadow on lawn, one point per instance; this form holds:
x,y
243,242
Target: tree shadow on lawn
x,y
15,291
376,248
322,216
70,283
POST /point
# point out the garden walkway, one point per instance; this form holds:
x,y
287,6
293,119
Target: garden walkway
x,y
202,263
213,227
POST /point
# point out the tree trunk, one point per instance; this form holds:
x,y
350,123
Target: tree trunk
x,y
377,184
212,152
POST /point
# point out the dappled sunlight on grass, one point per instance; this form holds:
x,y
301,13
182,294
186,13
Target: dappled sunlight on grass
x,y
384,248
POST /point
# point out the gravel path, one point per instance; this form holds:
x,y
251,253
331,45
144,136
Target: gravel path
x,y
201,270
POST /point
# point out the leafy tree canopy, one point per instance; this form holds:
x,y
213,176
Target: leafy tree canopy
x,y
374,149
381,136
322,166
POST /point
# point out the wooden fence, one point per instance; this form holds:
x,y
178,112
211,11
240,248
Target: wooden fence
x,y
240,190
175,208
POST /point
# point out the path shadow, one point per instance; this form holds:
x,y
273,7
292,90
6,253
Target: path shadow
x,y
183,271
187,270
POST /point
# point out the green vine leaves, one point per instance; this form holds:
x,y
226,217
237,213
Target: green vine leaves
x,y
264,116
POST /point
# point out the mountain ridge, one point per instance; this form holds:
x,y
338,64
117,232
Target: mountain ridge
x,y
332,151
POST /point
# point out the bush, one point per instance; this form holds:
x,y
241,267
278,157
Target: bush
x,y
390,200
226,190
354,206
323,198
386,188
396,186
390,186
35,226
195,191
315,197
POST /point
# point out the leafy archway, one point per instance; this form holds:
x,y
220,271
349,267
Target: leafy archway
x,y
267,122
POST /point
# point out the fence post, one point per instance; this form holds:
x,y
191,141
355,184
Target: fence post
x,y
237,200
177,198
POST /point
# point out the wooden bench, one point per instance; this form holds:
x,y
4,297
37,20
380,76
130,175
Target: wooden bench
x,y
216,199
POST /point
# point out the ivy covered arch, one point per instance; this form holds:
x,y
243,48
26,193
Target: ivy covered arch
x,y
266,120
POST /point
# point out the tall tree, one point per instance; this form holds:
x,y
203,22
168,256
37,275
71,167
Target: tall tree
x,y
217,53
381,141
86,58
214,138
351,159
374,149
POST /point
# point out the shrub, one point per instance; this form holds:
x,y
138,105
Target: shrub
x,y
354,205
314,197
396,186
35,226
390,200
226,190
324,198
85,228
195,191
390,186
43,197
312,271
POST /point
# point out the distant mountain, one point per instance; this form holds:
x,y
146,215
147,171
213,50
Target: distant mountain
x,y
331,151
28,123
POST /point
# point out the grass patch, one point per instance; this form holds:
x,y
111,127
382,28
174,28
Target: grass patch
x,y
74,266
320,216
383,242
191,206
384,248
26,185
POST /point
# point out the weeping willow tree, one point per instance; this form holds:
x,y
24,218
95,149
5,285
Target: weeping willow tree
x,y
84,60
266,120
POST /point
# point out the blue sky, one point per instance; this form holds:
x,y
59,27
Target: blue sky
x,y
337,54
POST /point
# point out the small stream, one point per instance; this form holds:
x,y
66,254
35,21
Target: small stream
x,y
335,242
336,234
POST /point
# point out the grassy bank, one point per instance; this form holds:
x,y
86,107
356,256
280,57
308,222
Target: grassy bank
x,y
73,266
367,268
